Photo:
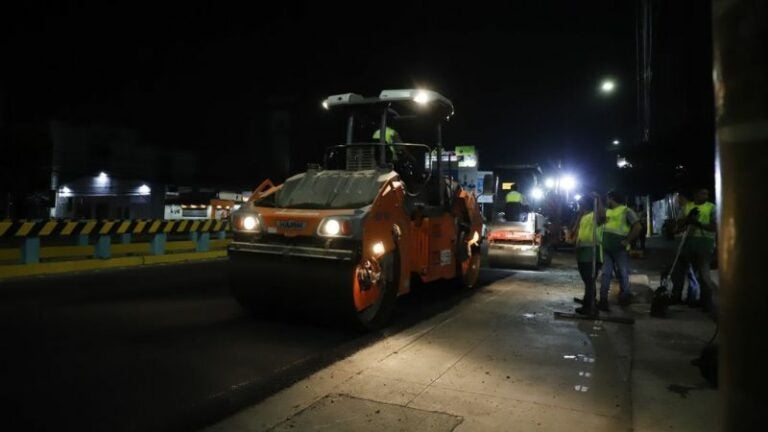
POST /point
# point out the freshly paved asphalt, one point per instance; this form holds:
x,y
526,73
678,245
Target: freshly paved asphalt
x,y
161,348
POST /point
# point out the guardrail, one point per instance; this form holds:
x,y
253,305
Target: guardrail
x,y
45,246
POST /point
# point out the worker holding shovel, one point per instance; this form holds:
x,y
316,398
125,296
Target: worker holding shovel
x,y
589,251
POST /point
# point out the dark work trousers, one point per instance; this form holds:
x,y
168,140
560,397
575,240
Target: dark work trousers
x,y
513,211
619,259
590,287
678,277
683,269
700,261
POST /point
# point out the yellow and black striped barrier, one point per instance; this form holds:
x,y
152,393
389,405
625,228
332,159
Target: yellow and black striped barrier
x,y
50,228
31,232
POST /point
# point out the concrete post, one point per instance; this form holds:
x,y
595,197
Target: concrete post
x,y
125,238
157,245
740,29
30,250
103,248
222,235
203,242
82,240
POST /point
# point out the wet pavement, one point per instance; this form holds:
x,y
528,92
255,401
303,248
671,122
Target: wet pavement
x,y
159,348
168,349
500,361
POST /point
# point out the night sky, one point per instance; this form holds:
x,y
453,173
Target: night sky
x,y
523,77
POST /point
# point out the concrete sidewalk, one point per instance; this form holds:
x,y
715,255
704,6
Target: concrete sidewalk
x,y
668,392
499,361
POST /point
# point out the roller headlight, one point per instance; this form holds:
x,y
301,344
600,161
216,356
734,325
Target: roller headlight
x,y
335,227
332,227
251,223
378,249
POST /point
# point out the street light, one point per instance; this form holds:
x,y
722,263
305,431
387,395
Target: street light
x,y
549,183
568,183
608,86
102,179
537,193
616,142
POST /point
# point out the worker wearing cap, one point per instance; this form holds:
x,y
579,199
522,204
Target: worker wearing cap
x,y
514,204
622,226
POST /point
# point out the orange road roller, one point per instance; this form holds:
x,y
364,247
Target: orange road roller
x,y
350,235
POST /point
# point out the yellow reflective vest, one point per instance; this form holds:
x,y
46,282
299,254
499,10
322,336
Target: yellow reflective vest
x,y
616,228
585,236
616,221
706,210
389,138
701,240
514,197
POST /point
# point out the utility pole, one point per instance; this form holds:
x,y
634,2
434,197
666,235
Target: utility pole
x,y
741,101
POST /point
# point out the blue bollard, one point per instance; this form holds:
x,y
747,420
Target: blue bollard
x,y
222,235
125,238
30,250
193,236
157,245
203,242
103,249
82,240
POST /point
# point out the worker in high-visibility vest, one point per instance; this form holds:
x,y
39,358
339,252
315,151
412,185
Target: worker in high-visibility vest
x,y
622,226
390,137
514,202
685,205
701,224
589,251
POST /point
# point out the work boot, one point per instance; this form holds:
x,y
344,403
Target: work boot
x,y
603,305
587,311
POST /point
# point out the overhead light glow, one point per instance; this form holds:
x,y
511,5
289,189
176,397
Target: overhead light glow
x,y
421,98
616,142
622,162
549,183
325,104
537,193
568,183
577,197
608,86
66,190
102,179
144,189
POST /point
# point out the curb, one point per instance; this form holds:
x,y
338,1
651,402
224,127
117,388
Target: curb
x,y
64,267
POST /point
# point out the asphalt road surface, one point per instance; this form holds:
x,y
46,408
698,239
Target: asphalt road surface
x,y
161,348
